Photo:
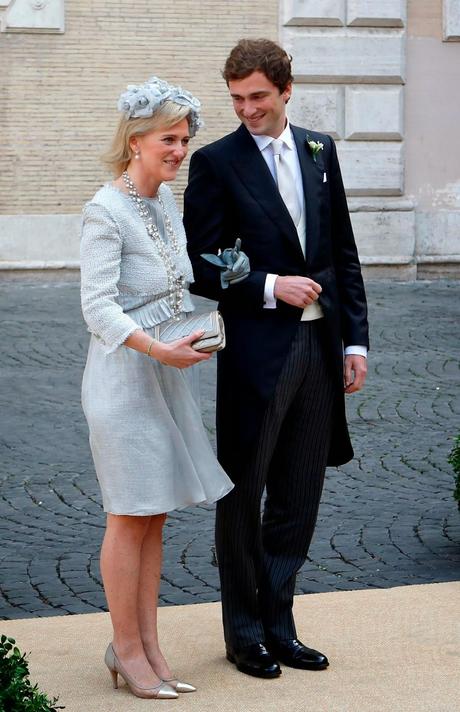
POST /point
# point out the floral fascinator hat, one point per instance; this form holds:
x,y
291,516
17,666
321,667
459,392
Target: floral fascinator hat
x,y
140,102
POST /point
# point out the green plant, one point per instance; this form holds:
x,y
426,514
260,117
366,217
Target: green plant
x,y
17,694
454,460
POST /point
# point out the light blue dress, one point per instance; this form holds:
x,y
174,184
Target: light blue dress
x,y
150,449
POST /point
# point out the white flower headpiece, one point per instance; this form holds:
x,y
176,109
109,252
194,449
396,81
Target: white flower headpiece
x,y
140,102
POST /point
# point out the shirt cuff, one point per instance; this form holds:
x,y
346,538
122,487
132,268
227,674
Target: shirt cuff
x,y
356,350
269,296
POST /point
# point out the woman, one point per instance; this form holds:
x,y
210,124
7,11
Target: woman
x,y
150,449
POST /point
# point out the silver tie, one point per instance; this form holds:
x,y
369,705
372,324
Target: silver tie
x,y
286,182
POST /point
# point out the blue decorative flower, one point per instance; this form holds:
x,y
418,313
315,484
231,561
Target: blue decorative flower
x,y
142,101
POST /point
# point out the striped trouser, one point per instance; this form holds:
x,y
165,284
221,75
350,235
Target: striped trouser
x,y
259,556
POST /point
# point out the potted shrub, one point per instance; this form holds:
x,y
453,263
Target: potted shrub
x,y
17,694
454,459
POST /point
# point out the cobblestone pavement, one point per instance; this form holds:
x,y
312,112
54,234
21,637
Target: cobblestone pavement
x,y
386,519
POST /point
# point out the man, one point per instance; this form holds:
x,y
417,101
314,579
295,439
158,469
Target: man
x,y
282,377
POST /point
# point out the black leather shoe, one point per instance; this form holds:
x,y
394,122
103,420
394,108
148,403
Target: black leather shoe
x,y
254,660
295,654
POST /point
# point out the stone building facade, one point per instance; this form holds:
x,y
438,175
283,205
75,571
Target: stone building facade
x,y
380,76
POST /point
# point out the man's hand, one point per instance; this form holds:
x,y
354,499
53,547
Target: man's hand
x,y
298,291
354,373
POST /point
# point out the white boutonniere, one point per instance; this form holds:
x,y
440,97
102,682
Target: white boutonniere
x,y
316,147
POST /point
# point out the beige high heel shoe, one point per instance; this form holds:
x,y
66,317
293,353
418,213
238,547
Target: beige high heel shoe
x,y
179,686
163,691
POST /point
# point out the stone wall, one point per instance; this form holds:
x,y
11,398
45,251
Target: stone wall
x,y
381,76
377,76
432,133
58,102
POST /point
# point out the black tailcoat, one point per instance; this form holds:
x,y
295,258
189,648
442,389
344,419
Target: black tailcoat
x,y
231,193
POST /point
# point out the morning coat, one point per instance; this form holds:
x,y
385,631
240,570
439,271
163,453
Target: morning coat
x,y
231,193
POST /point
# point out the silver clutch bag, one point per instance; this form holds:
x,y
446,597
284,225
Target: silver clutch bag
x,y
211,323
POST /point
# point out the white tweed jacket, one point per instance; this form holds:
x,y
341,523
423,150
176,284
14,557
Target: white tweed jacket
x,y
124,282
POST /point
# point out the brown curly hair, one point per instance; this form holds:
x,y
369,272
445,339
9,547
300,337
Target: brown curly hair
x,y
260,55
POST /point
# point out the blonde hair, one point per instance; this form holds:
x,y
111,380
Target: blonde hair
x,y
120,153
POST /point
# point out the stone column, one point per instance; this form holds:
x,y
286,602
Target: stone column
x,y
432,133
349,69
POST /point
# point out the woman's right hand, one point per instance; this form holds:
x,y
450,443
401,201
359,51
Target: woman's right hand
x,y
180,353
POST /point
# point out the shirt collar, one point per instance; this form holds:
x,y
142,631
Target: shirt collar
x,y
263,141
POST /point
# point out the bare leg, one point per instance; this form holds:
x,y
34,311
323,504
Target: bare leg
x,y
120,568
149,585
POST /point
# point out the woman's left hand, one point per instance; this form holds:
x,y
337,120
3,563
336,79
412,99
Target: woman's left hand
x,y
180,353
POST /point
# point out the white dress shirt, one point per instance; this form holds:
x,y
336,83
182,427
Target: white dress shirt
x,y
291,157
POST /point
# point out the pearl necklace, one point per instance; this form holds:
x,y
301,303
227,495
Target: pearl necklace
x,y
176,281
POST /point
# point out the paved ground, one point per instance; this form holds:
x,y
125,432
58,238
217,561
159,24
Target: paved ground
x,y
387,518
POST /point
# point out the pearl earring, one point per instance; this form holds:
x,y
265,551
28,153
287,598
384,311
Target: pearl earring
x,y
137,154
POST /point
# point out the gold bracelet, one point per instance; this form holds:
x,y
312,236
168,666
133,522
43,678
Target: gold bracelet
x,y
150,347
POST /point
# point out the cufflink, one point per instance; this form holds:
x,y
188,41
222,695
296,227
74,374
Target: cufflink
x,y
324,177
